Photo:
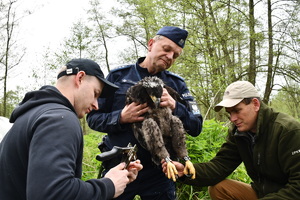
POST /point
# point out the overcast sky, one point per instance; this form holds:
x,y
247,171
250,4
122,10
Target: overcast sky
x,y
47,26
51,21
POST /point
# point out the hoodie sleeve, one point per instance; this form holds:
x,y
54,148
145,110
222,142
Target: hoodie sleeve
x,y
55,158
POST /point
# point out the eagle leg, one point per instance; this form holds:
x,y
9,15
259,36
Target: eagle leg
x,y
171,169
189,169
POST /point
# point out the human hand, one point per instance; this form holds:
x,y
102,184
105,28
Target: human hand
x,y
178,165
133,169
120,178
133,113
167,100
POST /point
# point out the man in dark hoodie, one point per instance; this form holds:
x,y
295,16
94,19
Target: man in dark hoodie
x,y
41,155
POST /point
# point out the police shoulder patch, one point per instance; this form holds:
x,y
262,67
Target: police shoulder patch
x,y
121,68
194,107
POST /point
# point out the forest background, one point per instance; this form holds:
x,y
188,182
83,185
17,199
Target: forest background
x,y
229,40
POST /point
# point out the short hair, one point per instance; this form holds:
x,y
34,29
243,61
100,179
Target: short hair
x,y
248,100
157,37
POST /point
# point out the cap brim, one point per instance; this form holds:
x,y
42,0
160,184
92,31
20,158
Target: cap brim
x,y
109,88
227,103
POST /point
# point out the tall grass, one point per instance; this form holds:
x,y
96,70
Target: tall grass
x,y
90,166
201,149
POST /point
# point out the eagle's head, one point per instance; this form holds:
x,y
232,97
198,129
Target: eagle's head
x,y
148,90
154,88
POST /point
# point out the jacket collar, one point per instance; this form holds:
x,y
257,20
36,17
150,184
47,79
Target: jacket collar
x,y
265,117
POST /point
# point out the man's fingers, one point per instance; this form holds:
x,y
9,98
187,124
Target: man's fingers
x,y
121,165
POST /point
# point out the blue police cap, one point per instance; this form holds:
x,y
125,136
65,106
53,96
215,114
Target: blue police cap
x,y
177,35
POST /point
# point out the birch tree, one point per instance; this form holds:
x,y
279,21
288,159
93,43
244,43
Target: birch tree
x,y
10,52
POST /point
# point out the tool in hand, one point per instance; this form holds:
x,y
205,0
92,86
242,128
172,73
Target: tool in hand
x,y
128,154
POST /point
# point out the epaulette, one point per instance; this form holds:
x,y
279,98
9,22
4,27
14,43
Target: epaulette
x,y
121,67
173,74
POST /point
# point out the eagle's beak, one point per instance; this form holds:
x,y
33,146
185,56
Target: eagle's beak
x,y
156,101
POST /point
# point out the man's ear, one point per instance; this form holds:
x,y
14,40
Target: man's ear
x,y
150,43
79,77
256,104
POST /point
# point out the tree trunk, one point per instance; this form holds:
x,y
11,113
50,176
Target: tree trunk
x,y
10,23
252,50
269,83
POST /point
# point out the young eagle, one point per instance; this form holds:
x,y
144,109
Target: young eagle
x,y
161,133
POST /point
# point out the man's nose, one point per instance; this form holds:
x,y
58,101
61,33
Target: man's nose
x,y
95,104
233,117
170,55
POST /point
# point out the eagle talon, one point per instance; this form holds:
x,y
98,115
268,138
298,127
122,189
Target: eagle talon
x,y
171,170
189,169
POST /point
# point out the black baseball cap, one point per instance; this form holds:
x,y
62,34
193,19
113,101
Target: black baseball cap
x,y
90,68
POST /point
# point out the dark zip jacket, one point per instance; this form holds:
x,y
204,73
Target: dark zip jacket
x,y
271,157
41,155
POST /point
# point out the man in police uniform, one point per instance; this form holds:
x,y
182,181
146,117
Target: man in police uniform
x,y
115,118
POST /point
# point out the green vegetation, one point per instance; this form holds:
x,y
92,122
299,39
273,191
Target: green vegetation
x,y
201,149
228,41
90,164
